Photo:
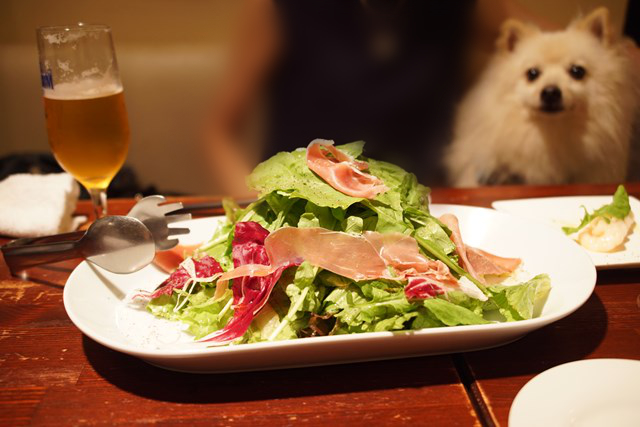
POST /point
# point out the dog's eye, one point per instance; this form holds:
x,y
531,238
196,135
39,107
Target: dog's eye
x,y
532,74
577,72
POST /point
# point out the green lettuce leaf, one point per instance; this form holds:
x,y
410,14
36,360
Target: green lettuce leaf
x,y
426,319
269,326
414,194
451,314
522,301
354,149
353,224
430,229
304,299
288,172
203,313
618,208
219,247
372,306
303,290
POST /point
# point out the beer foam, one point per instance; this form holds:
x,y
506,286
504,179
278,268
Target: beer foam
x,y
83,89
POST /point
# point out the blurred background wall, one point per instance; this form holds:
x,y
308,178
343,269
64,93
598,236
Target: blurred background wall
x,y
170,54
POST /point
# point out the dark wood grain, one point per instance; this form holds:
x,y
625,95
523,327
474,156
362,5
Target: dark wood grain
x,y
608,325
50,374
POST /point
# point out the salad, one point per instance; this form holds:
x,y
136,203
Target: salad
x,y
606,228
338,243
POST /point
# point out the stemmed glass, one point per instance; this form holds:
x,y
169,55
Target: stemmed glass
x,y
84,105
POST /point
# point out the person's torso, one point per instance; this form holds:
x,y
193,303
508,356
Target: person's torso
x,y
351,70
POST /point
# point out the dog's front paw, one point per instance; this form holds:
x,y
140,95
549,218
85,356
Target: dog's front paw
x,y
502,175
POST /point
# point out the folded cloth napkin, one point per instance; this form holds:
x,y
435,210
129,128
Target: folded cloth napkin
x,y
38,205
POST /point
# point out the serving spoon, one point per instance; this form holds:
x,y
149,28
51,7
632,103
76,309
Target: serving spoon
x,y
119,244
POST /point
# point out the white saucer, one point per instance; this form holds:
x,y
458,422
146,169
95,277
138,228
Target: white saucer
x,y
567,211
594,392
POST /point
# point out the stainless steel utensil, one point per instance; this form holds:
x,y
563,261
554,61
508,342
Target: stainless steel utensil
x,y
129,253
152,215
157,217
119,244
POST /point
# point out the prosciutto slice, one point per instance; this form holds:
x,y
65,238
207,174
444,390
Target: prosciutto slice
x,y
371,256
476,261
260,257
485,263
341,171
452,223
426,278
402,253
344,254
168,261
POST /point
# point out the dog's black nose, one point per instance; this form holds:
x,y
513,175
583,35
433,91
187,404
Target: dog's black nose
x,y
551,97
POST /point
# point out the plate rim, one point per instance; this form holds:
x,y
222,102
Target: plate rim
x,y
201,349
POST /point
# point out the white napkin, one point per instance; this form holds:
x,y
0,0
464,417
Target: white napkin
x,y
38,205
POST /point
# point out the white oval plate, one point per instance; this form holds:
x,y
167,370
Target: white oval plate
x,y
594,392
95,301
567,211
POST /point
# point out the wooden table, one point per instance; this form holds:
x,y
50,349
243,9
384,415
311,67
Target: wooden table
x,y
51,374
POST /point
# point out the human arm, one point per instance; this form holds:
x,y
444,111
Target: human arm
x,y
228,158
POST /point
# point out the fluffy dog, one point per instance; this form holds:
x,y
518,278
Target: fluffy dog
x,y
551,108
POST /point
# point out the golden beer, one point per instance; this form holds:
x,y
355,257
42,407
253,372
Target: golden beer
x,y
89,136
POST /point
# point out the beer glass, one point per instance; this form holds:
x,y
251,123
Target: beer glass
x,y
84,105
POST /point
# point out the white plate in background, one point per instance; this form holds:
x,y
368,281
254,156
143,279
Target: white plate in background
x,y
567,211
593,392
95,301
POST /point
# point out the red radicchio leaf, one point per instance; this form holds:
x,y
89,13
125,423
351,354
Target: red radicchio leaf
x,y
204,267
422,288
250,294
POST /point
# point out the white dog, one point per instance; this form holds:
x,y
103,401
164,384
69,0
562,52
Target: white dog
x,y
552,107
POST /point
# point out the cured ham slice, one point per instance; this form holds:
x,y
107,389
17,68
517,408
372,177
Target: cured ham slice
x,y
344,254
426,278
393,256
341,171
485,263
171,259
260,257
476,261
402,253
341,253
452,223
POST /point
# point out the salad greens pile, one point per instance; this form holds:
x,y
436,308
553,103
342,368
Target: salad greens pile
x,y
619,208
309,301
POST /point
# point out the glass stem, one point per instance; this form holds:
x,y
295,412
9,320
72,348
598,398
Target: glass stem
x,y
99,201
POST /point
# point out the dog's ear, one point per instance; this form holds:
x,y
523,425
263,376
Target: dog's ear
x,y
598,24
511,33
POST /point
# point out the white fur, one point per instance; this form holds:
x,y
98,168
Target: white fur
x,y
500,128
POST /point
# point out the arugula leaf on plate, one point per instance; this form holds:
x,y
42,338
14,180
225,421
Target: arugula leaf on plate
x,y
524,301
203,315
618,208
